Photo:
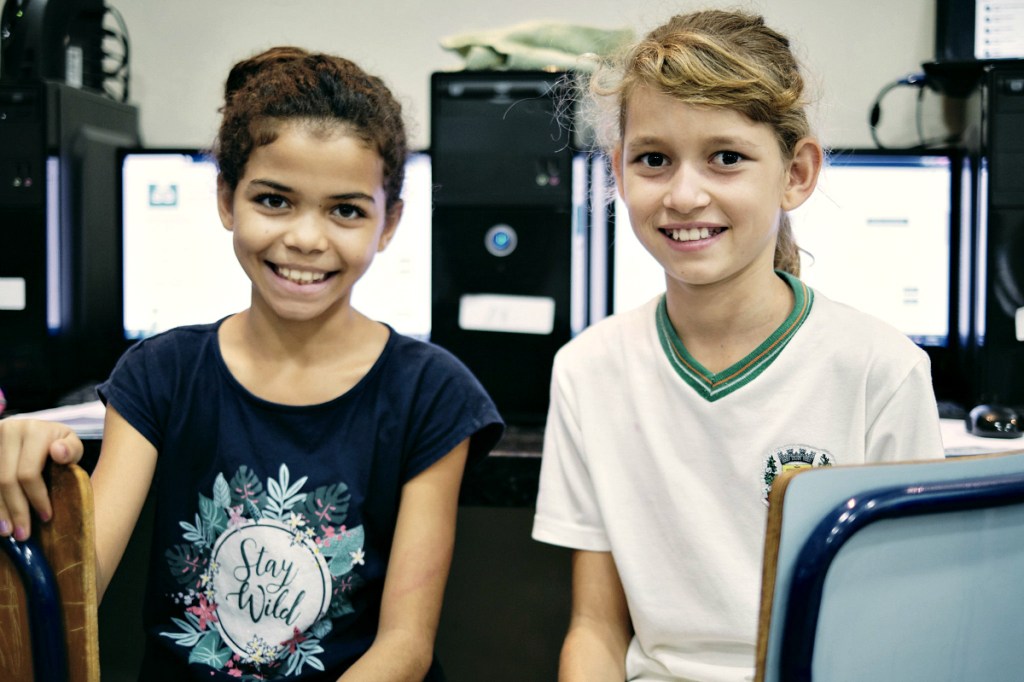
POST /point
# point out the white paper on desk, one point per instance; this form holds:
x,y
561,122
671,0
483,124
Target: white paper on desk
x,y
86,418
506,313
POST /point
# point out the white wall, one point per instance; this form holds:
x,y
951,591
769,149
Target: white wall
x,y
182,50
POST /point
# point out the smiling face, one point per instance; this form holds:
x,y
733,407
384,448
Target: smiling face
x,y
308,216
705,188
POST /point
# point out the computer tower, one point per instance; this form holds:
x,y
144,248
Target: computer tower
x,y
996,354
509,231
60,319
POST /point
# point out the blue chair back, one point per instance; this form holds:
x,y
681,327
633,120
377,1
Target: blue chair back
x,y
910,571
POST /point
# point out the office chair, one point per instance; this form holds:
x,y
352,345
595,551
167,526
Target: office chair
x,y
48,601
907,571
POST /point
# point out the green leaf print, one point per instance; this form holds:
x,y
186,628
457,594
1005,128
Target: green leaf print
x,y
215,519
221,492
321,628
283,494
344,550
246,487
189,634
185,563
327,506
341,597
194,532
210,651
303,653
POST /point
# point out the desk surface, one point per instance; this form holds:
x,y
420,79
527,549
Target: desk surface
x,y
957,441
526,441
508,477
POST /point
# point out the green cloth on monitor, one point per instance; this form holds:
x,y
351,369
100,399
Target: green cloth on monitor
x,y
536,45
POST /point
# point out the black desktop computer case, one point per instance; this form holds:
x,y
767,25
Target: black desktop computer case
x,y
58,175
502,164
995,359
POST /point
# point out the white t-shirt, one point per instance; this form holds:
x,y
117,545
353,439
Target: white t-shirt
x,y
668,469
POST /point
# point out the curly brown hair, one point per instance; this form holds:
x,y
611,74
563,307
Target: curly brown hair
x,y
714,58
287,84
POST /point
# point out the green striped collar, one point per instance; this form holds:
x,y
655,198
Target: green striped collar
x,y
713,386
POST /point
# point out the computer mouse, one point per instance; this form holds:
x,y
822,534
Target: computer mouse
x,y
995,421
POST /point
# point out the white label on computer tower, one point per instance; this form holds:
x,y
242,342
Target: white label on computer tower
x,y
12,293
504,313
1020,324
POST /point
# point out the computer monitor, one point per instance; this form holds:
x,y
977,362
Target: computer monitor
x,y
396,288
179,266
878,234
979,30
636,276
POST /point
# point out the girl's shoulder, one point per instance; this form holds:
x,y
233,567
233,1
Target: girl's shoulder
x,y
179,342
409,357
841,325
605,341
181,335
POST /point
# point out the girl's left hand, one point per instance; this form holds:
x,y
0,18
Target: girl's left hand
x,y
25,446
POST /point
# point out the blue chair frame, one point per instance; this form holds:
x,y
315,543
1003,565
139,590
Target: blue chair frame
x,y
48,588
46,621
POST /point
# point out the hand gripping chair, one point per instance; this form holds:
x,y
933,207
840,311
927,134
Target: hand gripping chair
x,y
48,602
896,572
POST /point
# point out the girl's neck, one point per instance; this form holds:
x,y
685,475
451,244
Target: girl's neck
x,y
300,363
271,339
722,323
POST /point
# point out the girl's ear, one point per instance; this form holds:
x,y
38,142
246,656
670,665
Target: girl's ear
x,y
802,175
617,169
394,215
225,204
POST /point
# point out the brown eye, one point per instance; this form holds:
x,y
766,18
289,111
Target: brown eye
x,y
728,158
349,212
653,160
273,201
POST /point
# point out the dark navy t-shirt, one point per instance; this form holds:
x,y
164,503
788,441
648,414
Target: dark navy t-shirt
x,y
274,523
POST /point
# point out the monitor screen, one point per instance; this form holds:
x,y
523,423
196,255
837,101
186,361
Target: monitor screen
x,y
981,30
636,276
396,288
179,266
998,29
875,235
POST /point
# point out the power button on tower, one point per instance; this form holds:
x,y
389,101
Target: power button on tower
x,y
501,240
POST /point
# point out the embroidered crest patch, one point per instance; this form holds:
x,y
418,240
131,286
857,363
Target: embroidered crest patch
x,y
788,457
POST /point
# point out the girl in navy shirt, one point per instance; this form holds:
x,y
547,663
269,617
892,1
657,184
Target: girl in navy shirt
x,y
305,459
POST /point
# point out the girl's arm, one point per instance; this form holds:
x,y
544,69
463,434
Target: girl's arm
x,y
417,572
600,627
25,446
120,484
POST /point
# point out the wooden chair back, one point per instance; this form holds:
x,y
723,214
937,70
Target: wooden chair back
x,y
46,635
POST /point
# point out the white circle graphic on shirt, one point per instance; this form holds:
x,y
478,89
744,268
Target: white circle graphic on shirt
x,y
270,582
